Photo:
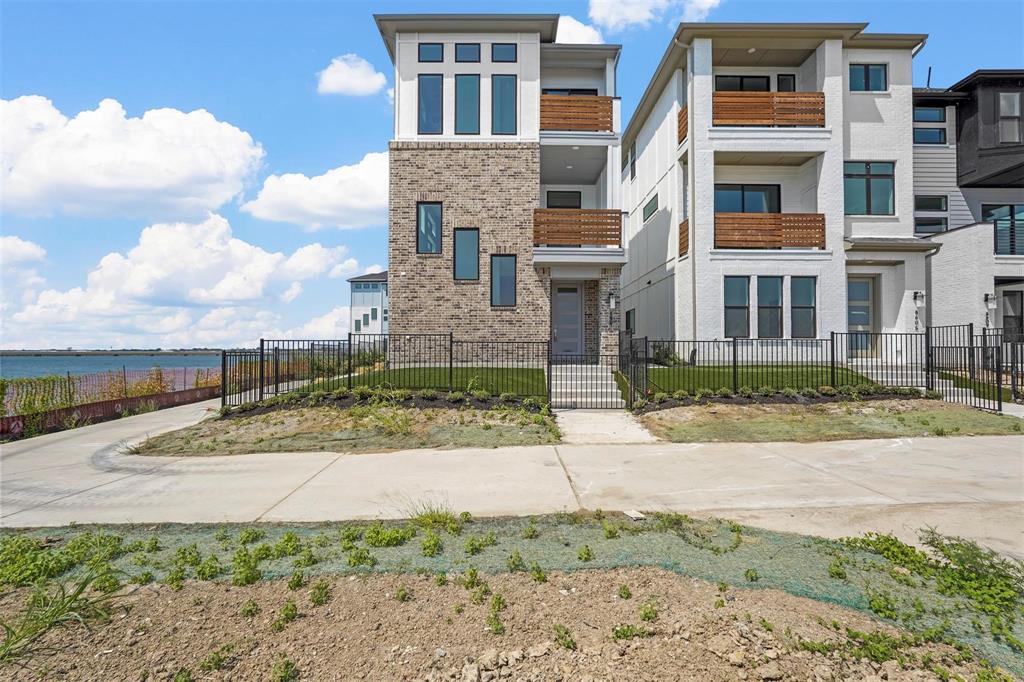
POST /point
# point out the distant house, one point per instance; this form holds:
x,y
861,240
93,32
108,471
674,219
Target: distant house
x,y
369,303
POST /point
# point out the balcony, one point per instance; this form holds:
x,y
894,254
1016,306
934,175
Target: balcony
x,y
577,227
577,113
1009,238
769,230
682,124
769,109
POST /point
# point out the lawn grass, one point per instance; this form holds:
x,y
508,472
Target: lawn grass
x,y
825,422
982,390
713,377
494,380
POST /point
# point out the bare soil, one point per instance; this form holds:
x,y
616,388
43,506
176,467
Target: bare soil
x,y
826,421
363,632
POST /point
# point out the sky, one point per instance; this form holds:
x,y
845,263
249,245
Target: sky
x,y
203,174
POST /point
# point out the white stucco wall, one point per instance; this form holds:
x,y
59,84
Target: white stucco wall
x,y
563,77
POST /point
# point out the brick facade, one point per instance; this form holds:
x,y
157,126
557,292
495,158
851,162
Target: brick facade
x,y
490,186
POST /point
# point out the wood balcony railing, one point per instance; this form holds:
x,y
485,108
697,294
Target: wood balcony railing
x,y
577,227
683,125
684,237
769,109
769,230
584,113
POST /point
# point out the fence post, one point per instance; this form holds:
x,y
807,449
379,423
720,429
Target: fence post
x,y
124,379
999,374
549,369
451,361
929,380
970,350
735,368
260,376
832,359
223,378
349,353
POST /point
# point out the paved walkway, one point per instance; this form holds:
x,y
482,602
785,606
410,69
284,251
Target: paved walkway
x,y
601,426
966,486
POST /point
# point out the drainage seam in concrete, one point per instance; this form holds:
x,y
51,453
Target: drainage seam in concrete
x,y
298,487
572,486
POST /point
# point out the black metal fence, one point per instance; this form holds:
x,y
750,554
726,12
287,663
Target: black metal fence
x,y
981,370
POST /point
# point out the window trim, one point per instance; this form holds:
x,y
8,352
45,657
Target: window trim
x,y
478,111
942,218
941,109
945,202
726,307
570,92
867,75
653,200
468,61
743,193
632,162
788,75
515,102
1019,118
419,87
794,307
868,175
778,308
942,135
419,54
515,57
440,228
455,254
515,280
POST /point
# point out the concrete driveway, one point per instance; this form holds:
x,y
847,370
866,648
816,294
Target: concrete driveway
x,y
966,486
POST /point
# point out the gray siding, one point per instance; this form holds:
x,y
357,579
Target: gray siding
x,y
935,173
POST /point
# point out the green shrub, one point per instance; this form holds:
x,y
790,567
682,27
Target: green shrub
x,y
250,535
537,573
210,568
284,670
680,395
455,397
659,398
427,394
477,543
746,392
378,535
649,611
827,391
481,395
724,393
629,631
431,545
507,398
790,393
297,581
244,568
639,404
585,553
360,556
250,608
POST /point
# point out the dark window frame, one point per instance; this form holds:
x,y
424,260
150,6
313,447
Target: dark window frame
x,y
515,55
1018,327
778,82
419,53
767,80
1012,217
867,76
440,227
653,200
941,140
478,110
358,325
467,61
940,109
419,103
565,192
373,313
366,319
943,197
515,280
570,92
1018,117
743,194
631,320
869,176
632,162
515,102
776,308
455,254
727,308
924,219
793,307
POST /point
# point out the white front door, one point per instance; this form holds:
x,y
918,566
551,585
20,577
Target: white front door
x,y
567,320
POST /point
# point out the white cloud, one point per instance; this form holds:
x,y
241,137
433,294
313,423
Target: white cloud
x,y
330,325
344,268
17,250
371,269
346,197
350,74
101,162
291,293
616,15
571,30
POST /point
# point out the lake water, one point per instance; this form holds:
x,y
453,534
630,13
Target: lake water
x,y
14,366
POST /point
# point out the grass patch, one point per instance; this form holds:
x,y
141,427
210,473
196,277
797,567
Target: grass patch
x,y
823,422
982,390
494,380
715,377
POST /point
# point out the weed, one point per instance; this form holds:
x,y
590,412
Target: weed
x,y
287,614
629,631
351,534
250,535
611,531
435,517
836,570
431,545
494,624
479,594
585,553
305,559
564,638
751,575
144,578
530,532
378,535
216,659
175,578
723,587
244,568
210,568
515,561
471,578
360,556
719,603
459,608
403,594
284,670
625,592
477,543
183,675
767,625
297,581
250,609
187,555
441,579
537,573
320,594
649,611
288,545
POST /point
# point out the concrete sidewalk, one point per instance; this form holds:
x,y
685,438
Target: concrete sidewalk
x,y
967,486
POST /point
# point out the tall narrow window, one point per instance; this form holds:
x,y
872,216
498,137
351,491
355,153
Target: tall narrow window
x,y
431,52
803,307
467,253
631,320
366,319
869,188
632,162
467,52
503,280
467,104
1013,314
769,307
373,313
503,104
1009,117
359,326
737,307
429,120
869,77
785,82
428,227
650,208
503,52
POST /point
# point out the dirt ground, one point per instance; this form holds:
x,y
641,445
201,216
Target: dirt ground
x,y
363,632
826,421
356,429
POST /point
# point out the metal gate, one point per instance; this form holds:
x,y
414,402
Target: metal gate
x,y
588,381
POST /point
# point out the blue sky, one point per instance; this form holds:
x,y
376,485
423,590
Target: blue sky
x,y
237,251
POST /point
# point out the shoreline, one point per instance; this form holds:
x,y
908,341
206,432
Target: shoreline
x,y
114,353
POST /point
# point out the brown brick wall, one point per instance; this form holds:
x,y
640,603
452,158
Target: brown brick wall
x,y
491,186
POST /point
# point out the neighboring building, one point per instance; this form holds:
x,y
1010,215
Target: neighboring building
x,y
769,185
969,198
504,214
369,308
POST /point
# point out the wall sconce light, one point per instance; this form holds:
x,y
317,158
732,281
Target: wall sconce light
x,y
919,299
611,301
990,301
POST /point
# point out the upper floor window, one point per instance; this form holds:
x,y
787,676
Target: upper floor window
x,y
869,77
467,52
742,83
930,114
1009,117
631,320
467,253
746,198
785,82
929,136
359,326
503,104
373,313
632,162
570,92
429,118
431,52
650,208
565,199
467,104
428,227
503,52
869,187
503,280
930,202
929,225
